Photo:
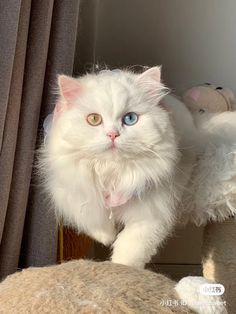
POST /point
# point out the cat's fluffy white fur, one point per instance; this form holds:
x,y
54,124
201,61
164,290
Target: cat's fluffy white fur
x,y
148,169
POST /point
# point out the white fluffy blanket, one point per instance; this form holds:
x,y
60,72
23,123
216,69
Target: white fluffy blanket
x,y
212,192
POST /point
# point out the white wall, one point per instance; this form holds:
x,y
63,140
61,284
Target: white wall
x,y
194,40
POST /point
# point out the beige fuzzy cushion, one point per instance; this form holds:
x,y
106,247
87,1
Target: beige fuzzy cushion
x,y
87,287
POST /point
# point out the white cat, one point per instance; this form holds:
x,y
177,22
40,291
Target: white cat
x,y
116,158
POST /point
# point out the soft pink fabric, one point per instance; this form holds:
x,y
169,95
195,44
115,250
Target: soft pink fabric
x,y
114,200
194,93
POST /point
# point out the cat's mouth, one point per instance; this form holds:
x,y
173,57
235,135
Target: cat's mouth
x,y
112,146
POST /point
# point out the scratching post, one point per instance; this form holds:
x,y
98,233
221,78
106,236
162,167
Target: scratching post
x,y
219,258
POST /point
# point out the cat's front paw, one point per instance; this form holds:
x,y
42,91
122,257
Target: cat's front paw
x,y
104,237
125,260
114,200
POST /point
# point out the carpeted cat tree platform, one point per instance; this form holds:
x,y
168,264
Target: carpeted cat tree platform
x,y
103,287
88,287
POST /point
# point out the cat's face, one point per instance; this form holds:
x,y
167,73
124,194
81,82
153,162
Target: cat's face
x,y
111,113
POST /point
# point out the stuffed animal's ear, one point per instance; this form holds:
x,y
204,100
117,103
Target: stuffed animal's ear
x,y
193,93
69,88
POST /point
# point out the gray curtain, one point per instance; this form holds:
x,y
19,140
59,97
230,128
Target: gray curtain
x,y
37,41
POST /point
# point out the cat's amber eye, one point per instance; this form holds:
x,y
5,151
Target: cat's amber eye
x,y
94,119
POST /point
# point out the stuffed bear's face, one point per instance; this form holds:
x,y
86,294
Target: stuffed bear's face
x,y
208,98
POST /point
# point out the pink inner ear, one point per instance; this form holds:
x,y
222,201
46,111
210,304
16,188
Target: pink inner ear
x,y
69,87
153,74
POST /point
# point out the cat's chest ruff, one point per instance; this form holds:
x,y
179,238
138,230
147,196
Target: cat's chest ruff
x,y
109,173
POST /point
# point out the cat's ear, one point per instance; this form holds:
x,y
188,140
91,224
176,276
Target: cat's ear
x,y
69,88
152,74
150,83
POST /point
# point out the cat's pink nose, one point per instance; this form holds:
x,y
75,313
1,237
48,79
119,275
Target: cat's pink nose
x,y
113,135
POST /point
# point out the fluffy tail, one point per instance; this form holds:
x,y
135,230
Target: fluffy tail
x,y
193,291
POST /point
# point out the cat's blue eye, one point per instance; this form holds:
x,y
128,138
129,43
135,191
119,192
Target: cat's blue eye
x,y
130,118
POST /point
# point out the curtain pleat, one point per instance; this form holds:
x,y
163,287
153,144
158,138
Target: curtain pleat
x,y
10,59
9,22
38,250
45,45
13,111
34,71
